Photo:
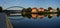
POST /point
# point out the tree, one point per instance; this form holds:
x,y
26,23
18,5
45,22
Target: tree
x,y
0,9
45,10
28,9
58,9
23,10
49,8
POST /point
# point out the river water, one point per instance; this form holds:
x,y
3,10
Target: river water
x,y
36,21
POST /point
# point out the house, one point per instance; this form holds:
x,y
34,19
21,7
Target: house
x,y
41,9
51,11
34,10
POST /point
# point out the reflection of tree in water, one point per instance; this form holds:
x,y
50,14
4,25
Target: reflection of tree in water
x,y
45,15
26,15
49,16
34,16
41,16
26,12
58,15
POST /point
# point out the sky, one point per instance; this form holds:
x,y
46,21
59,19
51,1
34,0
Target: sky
x,y
30,3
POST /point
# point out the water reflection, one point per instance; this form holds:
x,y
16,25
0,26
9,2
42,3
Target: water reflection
x,y
50,16
22,21
34,16
41,16
58,15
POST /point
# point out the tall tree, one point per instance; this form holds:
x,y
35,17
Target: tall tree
x,y
58,9
29,9
45,10
23,9
1,9
49,8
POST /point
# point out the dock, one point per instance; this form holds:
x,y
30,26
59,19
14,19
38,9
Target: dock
x,y
4,21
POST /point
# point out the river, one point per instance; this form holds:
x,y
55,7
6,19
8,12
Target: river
x,y
36,21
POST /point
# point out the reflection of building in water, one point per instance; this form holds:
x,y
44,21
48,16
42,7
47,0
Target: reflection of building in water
x,y
41,16
51,15
34,10
45,15
34,16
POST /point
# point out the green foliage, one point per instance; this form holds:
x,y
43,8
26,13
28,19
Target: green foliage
x,y
28,9
0,9
49,8
58,10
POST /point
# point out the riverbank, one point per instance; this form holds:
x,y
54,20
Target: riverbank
x,y
4,21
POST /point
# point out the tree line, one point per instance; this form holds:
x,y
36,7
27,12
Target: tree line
x,y
29,9
1,9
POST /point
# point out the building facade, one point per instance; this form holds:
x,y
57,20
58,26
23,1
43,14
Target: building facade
x,y
41,9
34,10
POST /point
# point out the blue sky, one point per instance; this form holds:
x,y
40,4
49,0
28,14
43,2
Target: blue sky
x,y
30,3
